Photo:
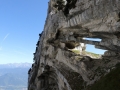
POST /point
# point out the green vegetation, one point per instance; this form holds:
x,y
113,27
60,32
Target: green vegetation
x,y
75,51
74,79
92,55
76,82
109,82
86,53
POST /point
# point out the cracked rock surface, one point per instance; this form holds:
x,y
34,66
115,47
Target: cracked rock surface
x,y
60,59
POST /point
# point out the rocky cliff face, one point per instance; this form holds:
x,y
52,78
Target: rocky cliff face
x,y
56,65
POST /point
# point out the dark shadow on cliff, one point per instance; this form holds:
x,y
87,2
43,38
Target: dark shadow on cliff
x,y
110,82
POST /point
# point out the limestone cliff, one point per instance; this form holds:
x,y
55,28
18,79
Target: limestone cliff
x,y
56,65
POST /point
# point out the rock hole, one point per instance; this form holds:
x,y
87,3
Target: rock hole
x,y
92,49
93,39
75,47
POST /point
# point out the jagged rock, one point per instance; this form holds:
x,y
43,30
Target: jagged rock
x,y
57,63
110,54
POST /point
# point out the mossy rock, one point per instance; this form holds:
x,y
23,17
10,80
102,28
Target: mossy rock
x,y
92,55
109,82
76,51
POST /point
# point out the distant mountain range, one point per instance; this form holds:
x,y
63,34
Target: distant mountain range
x,y
14,76
15,65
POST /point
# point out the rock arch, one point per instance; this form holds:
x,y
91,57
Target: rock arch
x,y
87,19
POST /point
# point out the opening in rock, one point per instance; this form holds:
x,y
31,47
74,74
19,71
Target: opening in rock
x,y
75,47
91,48
93,39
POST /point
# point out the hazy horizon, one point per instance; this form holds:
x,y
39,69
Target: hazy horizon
x,y
16,63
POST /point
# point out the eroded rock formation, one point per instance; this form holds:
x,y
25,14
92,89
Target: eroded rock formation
x,y
56,65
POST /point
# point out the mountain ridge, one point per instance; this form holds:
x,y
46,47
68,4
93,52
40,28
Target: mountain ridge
x,y
13,76
15,65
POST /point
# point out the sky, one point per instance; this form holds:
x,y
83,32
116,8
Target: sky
x,y
21,21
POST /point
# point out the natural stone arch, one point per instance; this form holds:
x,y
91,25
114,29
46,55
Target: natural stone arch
x,y
62,31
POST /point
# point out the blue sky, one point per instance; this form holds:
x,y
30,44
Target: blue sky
x,y
21,21
91,48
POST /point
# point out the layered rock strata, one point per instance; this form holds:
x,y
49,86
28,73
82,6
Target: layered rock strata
x,y
68,23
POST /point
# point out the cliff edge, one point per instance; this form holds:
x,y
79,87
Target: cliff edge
x,y
60,59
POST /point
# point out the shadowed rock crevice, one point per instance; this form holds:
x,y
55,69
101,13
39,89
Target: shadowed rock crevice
x,y
119,17
70,4
70,45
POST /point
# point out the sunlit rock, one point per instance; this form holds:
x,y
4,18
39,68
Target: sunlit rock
x,y
61,61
